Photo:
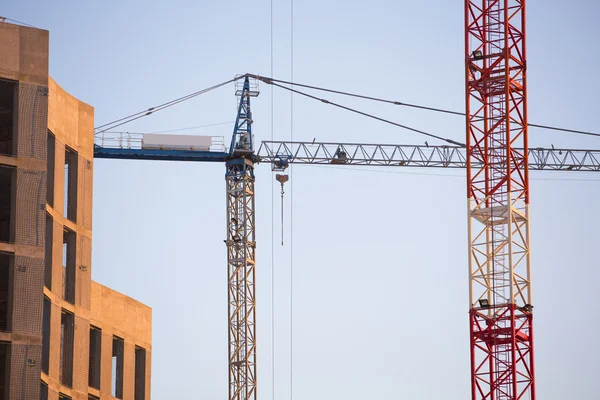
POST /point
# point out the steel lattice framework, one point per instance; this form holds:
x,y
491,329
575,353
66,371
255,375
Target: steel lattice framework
x,y
281,154
501,316
241,253
241,256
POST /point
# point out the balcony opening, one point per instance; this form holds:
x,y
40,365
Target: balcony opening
x,y
7,203
46,335
67,331
69,265
140,373
70,203
95,357
118,348
8,117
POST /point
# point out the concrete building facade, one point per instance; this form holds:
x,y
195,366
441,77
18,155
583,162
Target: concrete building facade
x,y
62,336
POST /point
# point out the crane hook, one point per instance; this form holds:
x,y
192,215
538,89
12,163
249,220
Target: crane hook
x,y
282,178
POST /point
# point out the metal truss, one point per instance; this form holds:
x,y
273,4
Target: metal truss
x,y
502,365
241,252
241,256
281,154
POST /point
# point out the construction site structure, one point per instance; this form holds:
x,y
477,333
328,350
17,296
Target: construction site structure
x,y
62,336
501,306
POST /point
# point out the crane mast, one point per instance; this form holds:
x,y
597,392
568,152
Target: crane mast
x,y
241,252
501,311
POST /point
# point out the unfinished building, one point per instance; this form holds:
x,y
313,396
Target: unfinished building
x,y
62,336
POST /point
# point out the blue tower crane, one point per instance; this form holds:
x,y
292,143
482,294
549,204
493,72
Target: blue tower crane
x,y
240,160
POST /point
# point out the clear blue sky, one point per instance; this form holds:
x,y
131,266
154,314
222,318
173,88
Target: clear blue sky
x,y
379,257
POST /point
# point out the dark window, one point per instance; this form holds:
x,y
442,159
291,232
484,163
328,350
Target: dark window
x,y
43,391
118,347
140,373
70,204
66,348
95,356
48,255
4,370
50,169
69,265
6,266
7,201
92,397
62,396
46,335
8,117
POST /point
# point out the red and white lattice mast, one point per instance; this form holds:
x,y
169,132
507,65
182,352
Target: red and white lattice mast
x,y
501,316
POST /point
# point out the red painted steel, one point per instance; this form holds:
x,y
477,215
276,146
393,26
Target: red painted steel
x,y
502,364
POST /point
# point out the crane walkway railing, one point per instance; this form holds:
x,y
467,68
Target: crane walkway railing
x,y
126,140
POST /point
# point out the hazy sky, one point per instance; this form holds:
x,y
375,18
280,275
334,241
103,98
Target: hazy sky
x,y
379,256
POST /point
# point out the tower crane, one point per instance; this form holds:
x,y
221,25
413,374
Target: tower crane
x,y
240,160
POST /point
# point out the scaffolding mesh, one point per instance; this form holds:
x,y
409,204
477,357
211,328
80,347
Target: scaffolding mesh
x,y
84,273
33,114
85,172
7,117
25,371
7,202
28,296
31,206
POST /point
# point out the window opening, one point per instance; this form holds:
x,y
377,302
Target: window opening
x,y
66,348
6,266
7,201
95,357
118,347
48,255
140,373
70,203
43,391
8,117
50,160
4,370
46,335
69,265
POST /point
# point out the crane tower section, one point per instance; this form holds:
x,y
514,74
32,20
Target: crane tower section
x,y
501,318
241,252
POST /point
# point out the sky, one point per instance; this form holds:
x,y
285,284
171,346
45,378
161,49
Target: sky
x,y
368,298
